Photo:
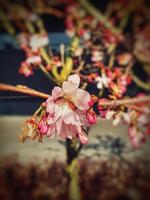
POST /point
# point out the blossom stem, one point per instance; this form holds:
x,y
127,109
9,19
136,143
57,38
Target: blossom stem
x,y
43,52
68,67
23,89
124,20
40,25
30,27
111,60
101,92
37,111
42,68
45,55
48,61
6,23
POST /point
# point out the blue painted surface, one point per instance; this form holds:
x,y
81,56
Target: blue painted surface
x,y
6,41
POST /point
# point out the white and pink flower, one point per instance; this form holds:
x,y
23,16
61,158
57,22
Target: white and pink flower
x,y
117,116
66,111
102,81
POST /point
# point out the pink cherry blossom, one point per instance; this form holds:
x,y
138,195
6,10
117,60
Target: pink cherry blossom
x,y
66,111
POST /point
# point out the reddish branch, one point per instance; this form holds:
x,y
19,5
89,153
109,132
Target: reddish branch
x,y
134,100
32,92
23,89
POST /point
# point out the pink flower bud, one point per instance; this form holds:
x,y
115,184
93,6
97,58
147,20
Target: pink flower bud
x,y
43,127
148,130
91,103
91,117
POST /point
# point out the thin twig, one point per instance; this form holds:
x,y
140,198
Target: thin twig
x,y
139,109
47,74
23,89
134,100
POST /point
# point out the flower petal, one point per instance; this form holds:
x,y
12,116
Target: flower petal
x,y
43,127
50,119
57,92
82,137
69,87
110,114
81,99
51,131
116,120
65,132
58,112
58,126
70,117
50,105
126,117
100,85
75,79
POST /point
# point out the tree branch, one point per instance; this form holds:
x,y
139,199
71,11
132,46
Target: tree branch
x,y
23,89
134,100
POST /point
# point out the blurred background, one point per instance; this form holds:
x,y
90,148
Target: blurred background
x,y
109,167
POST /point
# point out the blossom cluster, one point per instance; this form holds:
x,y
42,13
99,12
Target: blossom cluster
x,y
137,120
67,113
31,44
